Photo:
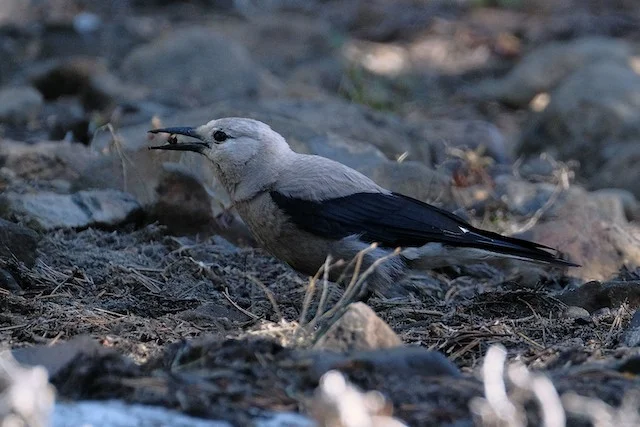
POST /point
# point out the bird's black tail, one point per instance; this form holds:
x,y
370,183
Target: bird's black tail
x,y
514,247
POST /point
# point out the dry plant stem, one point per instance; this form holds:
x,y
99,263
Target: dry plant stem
x,y
354,286
325,291
494,387
353,262
269,295
353,291
341,302
311,288
553,414
117,144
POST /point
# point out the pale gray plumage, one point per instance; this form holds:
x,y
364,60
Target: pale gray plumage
x,y
302,208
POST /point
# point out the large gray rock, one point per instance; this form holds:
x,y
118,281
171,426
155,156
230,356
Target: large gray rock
x,y
19,105
191,67
546,67
591,231
306,38
621,170
46,160
48,211
590,114
18,242
415,180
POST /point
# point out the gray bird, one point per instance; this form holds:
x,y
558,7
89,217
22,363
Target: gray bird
x,y
302,207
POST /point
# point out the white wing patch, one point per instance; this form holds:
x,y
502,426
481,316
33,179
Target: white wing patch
x,y
464,230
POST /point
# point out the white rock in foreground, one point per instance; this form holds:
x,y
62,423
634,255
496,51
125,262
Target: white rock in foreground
x,y
113,413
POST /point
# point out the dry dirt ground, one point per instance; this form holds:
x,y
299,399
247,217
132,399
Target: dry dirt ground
x,y
214,330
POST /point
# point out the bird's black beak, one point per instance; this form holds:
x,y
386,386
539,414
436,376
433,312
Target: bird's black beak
x,y
198,146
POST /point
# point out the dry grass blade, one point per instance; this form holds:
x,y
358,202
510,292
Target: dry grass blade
x,y
116,143
310,291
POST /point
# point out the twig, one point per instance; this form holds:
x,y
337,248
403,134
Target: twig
x,y
269,295
563,184
240,309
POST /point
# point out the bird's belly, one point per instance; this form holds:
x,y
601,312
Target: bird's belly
x,y
303,251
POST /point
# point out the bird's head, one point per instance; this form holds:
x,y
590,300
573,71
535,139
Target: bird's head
x,y
239,148
228,141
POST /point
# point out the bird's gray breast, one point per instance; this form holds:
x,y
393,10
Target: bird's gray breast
x,y
275,232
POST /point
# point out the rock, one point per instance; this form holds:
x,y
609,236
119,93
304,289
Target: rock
x,y
401,361
18,243
414,179
631,336
306,37
26,395
8,282
19,105
620,170
353,153
522,197
116,413
185,207
590,126
596,295
16,12
183,203
85,77
209,67
359,328
48,211
577,313
545,68
596,237
55,358
445,134
46,161
387,132
630,205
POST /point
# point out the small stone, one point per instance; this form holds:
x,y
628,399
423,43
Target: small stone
x,y
580,314
56,358
631,336
359,328
18,243
8,282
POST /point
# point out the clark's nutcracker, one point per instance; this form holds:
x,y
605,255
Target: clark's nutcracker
x,y
302,208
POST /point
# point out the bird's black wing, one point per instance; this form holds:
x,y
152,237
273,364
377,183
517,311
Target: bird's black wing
x,y
393,220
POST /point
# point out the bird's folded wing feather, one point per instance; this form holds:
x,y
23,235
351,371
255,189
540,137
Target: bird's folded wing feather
x,y
393,220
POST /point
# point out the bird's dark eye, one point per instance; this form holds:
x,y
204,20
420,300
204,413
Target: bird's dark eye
x,y
220,136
